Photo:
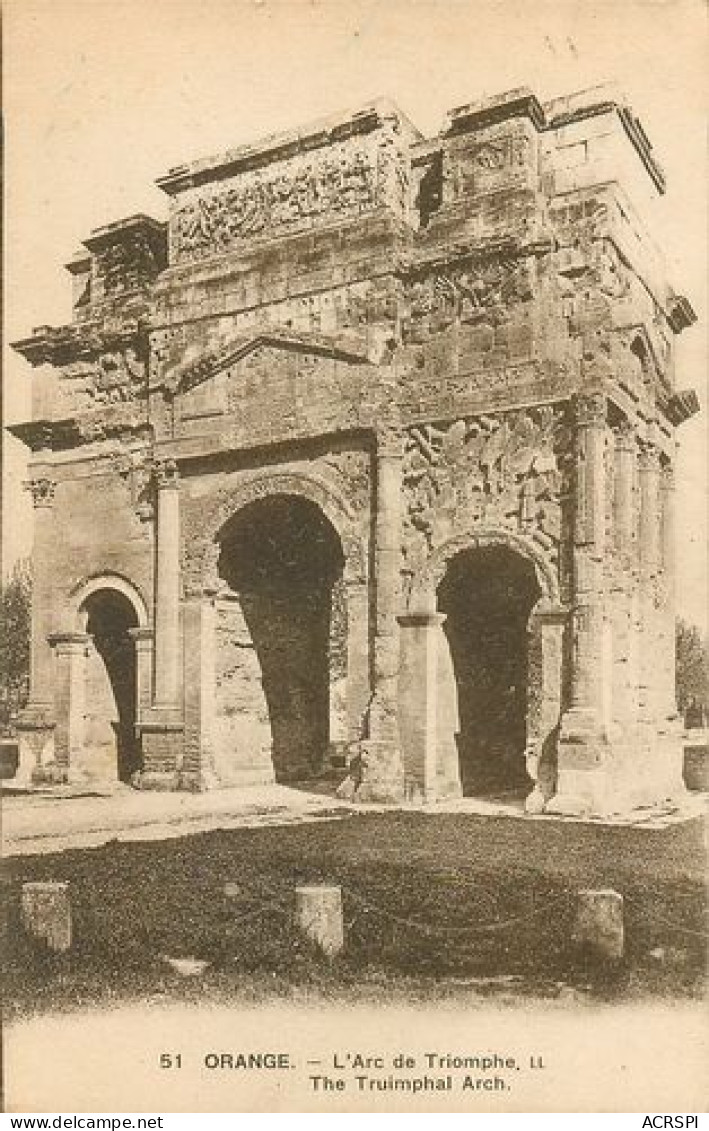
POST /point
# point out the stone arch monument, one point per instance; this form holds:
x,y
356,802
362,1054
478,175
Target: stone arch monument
x,y
409,399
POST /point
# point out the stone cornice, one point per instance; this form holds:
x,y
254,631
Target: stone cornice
x,y
109,234
519,103
281,146
423,259
680,314
71,432
681,406
58,344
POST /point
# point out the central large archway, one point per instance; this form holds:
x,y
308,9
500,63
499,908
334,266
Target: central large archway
x,y
487,595
281,638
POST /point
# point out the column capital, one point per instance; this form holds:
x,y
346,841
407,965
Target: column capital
x,y
390,442
590,410
142,632
421,619
667,476
548,612
649,456
207,592
42,489
167,474
625,437
68,641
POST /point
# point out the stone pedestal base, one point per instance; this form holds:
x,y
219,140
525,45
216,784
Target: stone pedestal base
x,y
427,710
165,780
605,780
378,773
162,741
35,741
208,778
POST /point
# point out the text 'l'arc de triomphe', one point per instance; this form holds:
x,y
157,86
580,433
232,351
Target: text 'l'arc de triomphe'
x,y
365,459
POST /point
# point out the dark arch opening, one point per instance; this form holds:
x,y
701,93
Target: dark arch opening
x,y
487,595
283,559
109,616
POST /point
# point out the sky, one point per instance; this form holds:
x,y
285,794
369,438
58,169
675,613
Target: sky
x,y
103,96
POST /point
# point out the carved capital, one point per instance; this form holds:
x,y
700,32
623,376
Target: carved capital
x,y
42,490
167,474
390,442
590,410
625,437
667,476
649,456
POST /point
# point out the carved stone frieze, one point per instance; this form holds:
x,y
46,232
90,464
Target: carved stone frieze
x,y
468,292
509,469
113,379
262,201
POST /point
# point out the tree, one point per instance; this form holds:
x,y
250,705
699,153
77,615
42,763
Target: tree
x,y
692,672
15,616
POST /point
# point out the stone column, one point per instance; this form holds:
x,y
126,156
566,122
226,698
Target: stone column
x,y
167,585
544,700
581,773
338,635
36,724
142,638
162,725
669,569
42,491
382,771
588,685
198,771
624,514
69,699
358,674
625,650
649,548
143,642
662,724
431,769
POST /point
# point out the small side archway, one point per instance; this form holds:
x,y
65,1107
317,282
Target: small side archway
x,y
491,600
423,596
100,675
111,582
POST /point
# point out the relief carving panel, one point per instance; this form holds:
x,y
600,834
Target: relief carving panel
x,y
509,470
347,180
114,377
469,292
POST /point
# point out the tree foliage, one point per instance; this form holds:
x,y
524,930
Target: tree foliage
x,y
15,616
692,670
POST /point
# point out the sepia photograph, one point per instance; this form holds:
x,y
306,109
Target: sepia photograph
x,y
354,677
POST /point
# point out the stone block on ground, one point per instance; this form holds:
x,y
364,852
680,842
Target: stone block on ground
x,y
318,916
46,913
599,926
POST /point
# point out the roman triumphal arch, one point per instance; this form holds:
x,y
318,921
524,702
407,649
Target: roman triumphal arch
x,y
361,468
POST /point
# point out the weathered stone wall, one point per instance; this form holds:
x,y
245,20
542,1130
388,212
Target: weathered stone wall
x,y
242,749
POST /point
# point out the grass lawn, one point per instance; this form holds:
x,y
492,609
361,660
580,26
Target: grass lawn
x,y
430,900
